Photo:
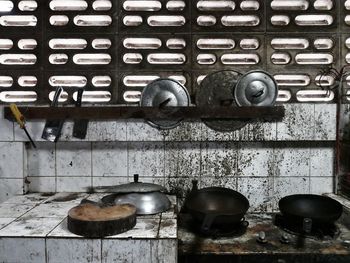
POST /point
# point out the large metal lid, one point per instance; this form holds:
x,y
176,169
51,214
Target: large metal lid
x,y
215,90
134,187
164,93
256,88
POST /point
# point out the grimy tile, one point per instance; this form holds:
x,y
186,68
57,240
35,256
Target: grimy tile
x,y
219,159
325,122
109,159
185,132
298,123
141,131
41,161
73,250
28,250
182,159
321,185
322,160
9,188
6,128
73,159
11,159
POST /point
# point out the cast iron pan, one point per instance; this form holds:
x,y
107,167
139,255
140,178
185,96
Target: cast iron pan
x,y
310,209
216,206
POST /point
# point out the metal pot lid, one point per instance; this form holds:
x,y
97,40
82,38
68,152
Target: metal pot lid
x,y
164,93
217,89
256,88
134,187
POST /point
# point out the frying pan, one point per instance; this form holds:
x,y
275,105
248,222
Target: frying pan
x,y
308,210
216,206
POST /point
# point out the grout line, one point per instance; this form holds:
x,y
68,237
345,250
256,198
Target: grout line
x,y
55,151
92,163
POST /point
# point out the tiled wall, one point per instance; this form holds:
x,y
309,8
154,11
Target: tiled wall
x,y
264,161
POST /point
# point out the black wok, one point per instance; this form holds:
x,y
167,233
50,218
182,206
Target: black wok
x,y
216,206
310,209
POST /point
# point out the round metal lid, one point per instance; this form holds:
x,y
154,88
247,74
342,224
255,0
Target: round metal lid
x,y
256,88
135,187
164,93
217,89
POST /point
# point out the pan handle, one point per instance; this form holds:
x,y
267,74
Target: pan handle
x,y
307,225
207,222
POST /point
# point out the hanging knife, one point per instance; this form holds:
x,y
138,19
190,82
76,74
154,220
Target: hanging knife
x,y
21,121
80,126
52,130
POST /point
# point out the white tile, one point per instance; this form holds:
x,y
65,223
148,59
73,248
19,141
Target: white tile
x,y
14,210
258,191
6,127
146,158
22,250
51,210
73,250
108,181
73,158
298,123
27,226
65,198
219,159
258,131
186,131
284,186
5,221
27,199
255,159
62,231
164,250
322,161
41,184
11,159
41,161
292,160
34,128
168,228
10,188
107,131
321,185
182,159
223,181
128,251
211,135
145,228
141,131
76,184
325,122
110,159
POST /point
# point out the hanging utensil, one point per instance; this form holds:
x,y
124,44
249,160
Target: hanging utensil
x,y
164,93
217,90
21,121
256,88
80,126
52,130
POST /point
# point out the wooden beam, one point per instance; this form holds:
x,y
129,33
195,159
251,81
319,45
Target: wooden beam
x,y
120,112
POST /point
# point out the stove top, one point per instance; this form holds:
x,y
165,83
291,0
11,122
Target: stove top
x,y
216,231
262,236
319,232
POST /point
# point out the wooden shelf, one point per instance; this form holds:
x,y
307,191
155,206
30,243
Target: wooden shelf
x,y
123,112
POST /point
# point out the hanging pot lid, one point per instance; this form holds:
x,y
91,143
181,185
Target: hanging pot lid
x,y
136,187
216,90
256,88
165,93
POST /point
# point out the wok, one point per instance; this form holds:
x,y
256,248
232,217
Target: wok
x,y
216,206
309,209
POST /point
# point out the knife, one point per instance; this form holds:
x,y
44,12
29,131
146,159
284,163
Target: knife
x,y
80,126
52,130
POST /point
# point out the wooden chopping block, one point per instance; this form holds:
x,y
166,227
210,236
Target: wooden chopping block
x,y
94,220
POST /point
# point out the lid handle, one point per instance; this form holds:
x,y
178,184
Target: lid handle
x,y
136,178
